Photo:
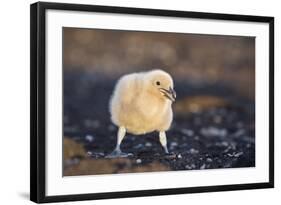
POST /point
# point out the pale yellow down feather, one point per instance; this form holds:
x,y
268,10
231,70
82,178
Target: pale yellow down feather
x,y
137,104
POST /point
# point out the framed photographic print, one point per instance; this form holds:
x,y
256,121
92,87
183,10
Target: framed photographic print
x,y
129,102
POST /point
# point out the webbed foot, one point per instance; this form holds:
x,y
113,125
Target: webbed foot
x,y
117,153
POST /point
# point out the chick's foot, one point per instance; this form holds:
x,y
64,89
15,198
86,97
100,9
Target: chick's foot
x,y
117,153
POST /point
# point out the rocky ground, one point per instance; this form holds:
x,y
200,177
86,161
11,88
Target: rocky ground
x,y
213,128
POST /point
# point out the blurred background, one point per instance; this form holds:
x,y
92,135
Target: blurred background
x,y
214,115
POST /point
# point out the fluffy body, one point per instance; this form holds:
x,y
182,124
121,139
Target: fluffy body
x,y
137,104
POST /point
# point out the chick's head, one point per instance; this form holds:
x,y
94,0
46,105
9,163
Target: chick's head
x,y
161,84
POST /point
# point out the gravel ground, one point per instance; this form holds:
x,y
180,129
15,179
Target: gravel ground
x,y
212,134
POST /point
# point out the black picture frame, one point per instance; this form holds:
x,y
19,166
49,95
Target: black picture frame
x,y
38,100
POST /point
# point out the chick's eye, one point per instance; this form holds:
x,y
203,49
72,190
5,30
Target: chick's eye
x,y
157,83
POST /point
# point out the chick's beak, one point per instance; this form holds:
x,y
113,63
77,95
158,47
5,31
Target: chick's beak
x,y
170,94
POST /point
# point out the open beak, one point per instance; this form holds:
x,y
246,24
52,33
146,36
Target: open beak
x,y
170,94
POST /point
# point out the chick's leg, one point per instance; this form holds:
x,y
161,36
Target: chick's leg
x,y
120,137
163,141
117,151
